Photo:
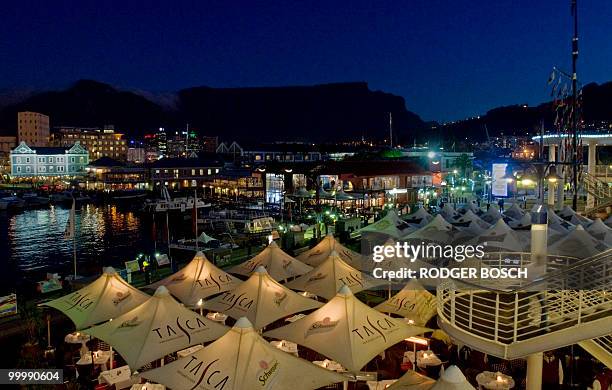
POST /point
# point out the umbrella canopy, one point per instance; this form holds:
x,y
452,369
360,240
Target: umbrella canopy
x,y
412,380
523,223
325,279
342,196
438,231
345,321
279,264
452,379
242,359
205,238
492,215
470,216
470,206
412,302
578,243
323,249
600,231
501,238
155,329
390,225
198,280
557,223
448,212
261,299
570,215
107,297
302,192
515,211
420,217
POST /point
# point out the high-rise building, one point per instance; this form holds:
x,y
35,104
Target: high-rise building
x,y
33,128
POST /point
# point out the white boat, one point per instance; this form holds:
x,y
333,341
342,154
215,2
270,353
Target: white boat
x,y
177,204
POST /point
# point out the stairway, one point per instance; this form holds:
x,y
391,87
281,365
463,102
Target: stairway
x,y
567,306
600,190
600,348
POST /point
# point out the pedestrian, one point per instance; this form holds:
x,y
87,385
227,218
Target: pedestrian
x,y
501,204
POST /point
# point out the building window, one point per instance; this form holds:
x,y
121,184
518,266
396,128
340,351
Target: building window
x,y
193,172
201,172
18,169
210,171
217,170
71,159
27,160
28,169
18,160
50,159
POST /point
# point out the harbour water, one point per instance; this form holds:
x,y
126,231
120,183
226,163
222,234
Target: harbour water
x,y
32,242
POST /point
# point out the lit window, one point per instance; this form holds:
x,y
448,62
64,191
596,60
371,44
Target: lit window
x,y
210,171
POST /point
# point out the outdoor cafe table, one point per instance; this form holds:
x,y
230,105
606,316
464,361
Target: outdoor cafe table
x,y
335,366
217,317
101,359
381,385
117,375
189,351
494,381
427,359
286,346
148,386
76,338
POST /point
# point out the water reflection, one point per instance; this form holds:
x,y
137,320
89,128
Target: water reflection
x,y
106,235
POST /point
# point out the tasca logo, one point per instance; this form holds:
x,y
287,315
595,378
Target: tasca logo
x,y
205,372
214,281
402,304
374,329
321,326
78,301
250,265
266,374
238,301
352,279
180,327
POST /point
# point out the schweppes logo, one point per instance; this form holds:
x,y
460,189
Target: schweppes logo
x,y
268,369
217,282
131,323
205,372
374,329
120,297
286,263
250,265
180,327
317,276
321,326
352,279
237,301
279,297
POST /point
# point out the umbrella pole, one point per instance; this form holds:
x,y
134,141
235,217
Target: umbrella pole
x,y
48,331
111,358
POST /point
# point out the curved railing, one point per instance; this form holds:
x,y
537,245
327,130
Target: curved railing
x,y
572,295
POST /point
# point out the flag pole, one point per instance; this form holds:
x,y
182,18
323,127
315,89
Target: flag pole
x,y
195,216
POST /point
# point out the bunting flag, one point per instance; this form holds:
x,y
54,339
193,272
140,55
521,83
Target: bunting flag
x,y
69,232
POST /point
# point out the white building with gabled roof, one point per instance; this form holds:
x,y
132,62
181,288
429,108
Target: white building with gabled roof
x,y
29,161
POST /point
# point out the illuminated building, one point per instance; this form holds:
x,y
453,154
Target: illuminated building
x,y
29,161
33,128
99,142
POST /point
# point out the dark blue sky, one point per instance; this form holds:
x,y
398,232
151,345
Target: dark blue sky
x,y
449,59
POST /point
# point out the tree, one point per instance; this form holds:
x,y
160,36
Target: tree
x,y
464,164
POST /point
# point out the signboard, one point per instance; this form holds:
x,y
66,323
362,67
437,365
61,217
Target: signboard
x,y
8,305
499,185
162,260
132,266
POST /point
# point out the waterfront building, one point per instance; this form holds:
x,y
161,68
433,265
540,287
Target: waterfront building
x,y
179,173
33,128
7,143
99,142
136,154
238,183
29,162
287,152
209,144
109,174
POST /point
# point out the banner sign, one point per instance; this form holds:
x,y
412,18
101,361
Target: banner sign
x,y
8,305
499,185
132,266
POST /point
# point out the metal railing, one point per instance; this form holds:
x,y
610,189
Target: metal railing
x,y
569,296
596,187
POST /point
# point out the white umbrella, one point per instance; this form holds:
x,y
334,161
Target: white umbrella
x,y
600,231
198,280
261,299
501,238
325,279
557,223
570,215
452,379
523,223
448,212
240,360
515,211
205,238
578,243
420,217
437,231
492,215
279,264
323,249
412,380
347,330
389,226
412,302
158,327
107,297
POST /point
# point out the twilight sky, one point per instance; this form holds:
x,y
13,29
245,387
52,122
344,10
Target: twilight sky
x,y
449,59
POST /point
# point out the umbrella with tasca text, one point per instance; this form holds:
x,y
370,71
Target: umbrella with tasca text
x,y
347,330
279,264
242,359
320,252
105,298
412,302
198,280
412,380
325,279
155,329
261,299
